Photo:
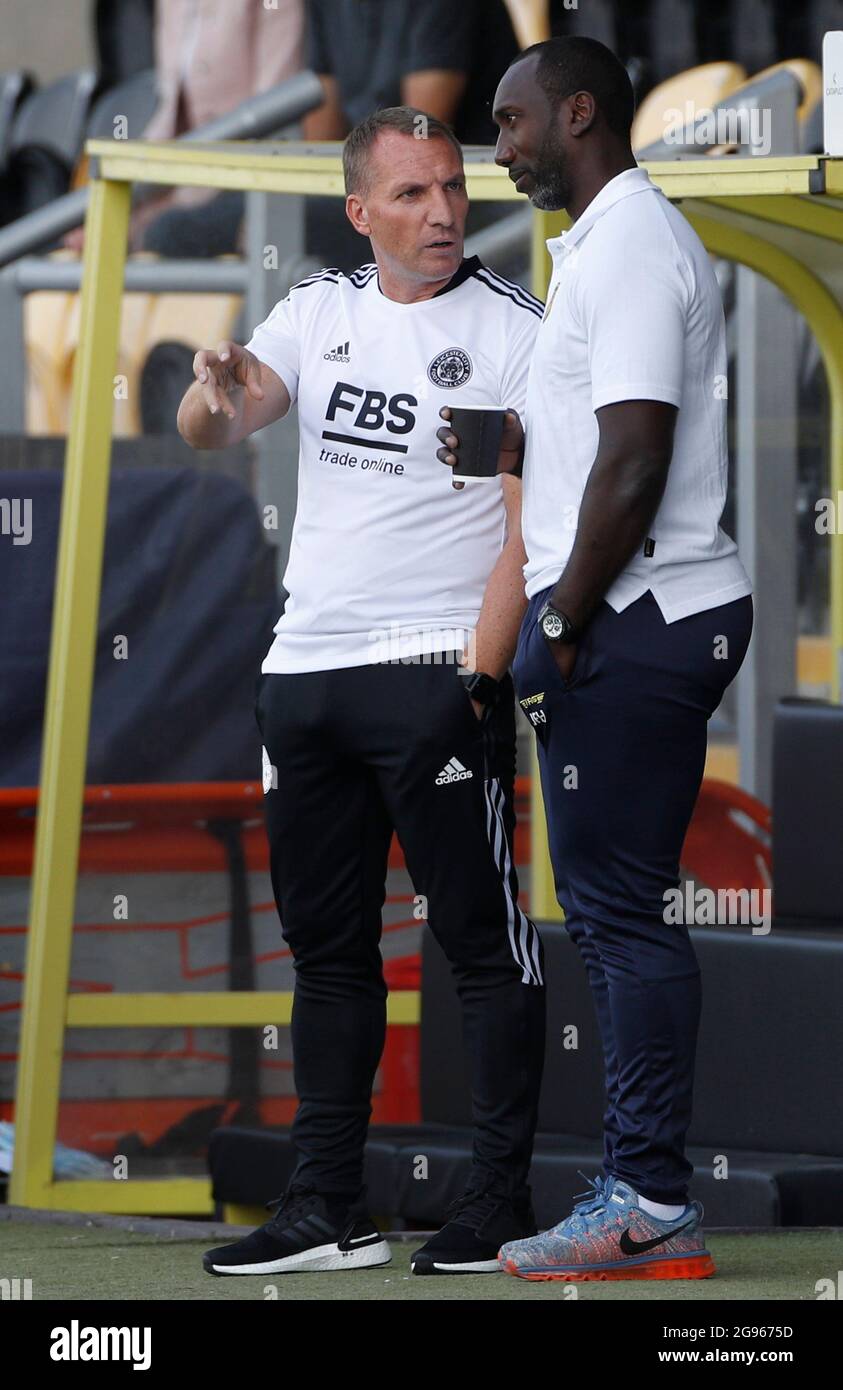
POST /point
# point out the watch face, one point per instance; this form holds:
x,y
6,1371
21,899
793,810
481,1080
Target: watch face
x,y
553,626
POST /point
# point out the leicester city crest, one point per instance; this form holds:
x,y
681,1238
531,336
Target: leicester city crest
x,y
451,368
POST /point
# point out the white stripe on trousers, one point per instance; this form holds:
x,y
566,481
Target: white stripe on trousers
x,y
528,954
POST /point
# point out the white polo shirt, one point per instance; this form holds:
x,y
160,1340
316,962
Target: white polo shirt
x,y
387,559
633,313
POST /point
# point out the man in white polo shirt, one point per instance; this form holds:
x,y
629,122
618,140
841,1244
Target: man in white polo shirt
x,y
368,721
639,617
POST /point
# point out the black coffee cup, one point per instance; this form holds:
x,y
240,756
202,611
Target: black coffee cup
x,y
479,429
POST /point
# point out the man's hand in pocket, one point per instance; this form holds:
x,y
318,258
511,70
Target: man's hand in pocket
x,y
565,656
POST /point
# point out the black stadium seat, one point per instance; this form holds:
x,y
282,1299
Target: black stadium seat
x,y
14,88
125,35
135,99
669,39
807,814
776,1127
46,139
598,19
801,26
753,40
713,25
201,613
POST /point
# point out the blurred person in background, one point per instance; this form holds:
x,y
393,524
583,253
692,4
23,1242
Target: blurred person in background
x,y
209,58
438,56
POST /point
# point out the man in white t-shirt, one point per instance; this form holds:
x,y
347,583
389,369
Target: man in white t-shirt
x,y
639,617
369,721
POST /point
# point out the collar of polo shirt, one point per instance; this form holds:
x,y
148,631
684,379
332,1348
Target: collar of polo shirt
x,y
630,181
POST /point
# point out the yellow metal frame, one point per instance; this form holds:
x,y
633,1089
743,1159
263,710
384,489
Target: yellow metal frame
x,y
779,192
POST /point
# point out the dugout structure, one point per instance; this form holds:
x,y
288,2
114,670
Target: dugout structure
x,y
782,217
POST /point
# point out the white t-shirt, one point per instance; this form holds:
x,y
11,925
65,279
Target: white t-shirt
x,y
633,313
387,559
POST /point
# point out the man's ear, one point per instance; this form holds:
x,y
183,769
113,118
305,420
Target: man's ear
x,y
356,214
582,110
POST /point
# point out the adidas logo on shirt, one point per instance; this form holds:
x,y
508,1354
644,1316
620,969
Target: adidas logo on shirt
x,y
338,354
453,771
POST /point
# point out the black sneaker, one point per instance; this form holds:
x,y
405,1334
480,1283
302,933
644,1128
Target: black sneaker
x,y
476,1229
306,1233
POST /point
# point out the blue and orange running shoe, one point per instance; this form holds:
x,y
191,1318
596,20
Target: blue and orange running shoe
x,y
608,1236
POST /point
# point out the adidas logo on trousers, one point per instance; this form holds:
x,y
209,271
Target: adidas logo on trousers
x,y
453,771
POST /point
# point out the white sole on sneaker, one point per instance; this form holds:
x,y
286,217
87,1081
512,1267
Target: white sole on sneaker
x,y
321,1257
475,1267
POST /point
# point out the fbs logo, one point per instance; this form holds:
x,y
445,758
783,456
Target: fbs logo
x,y
338,354
453,771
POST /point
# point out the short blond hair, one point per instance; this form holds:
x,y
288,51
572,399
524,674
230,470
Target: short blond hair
x,y
406,120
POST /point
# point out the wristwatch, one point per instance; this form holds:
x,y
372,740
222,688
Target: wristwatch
x,y
482,688
556,626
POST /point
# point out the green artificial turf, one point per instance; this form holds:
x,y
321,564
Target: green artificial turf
x,y
108,1263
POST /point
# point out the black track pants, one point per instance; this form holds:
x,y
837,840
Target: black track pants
x,y
355,753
